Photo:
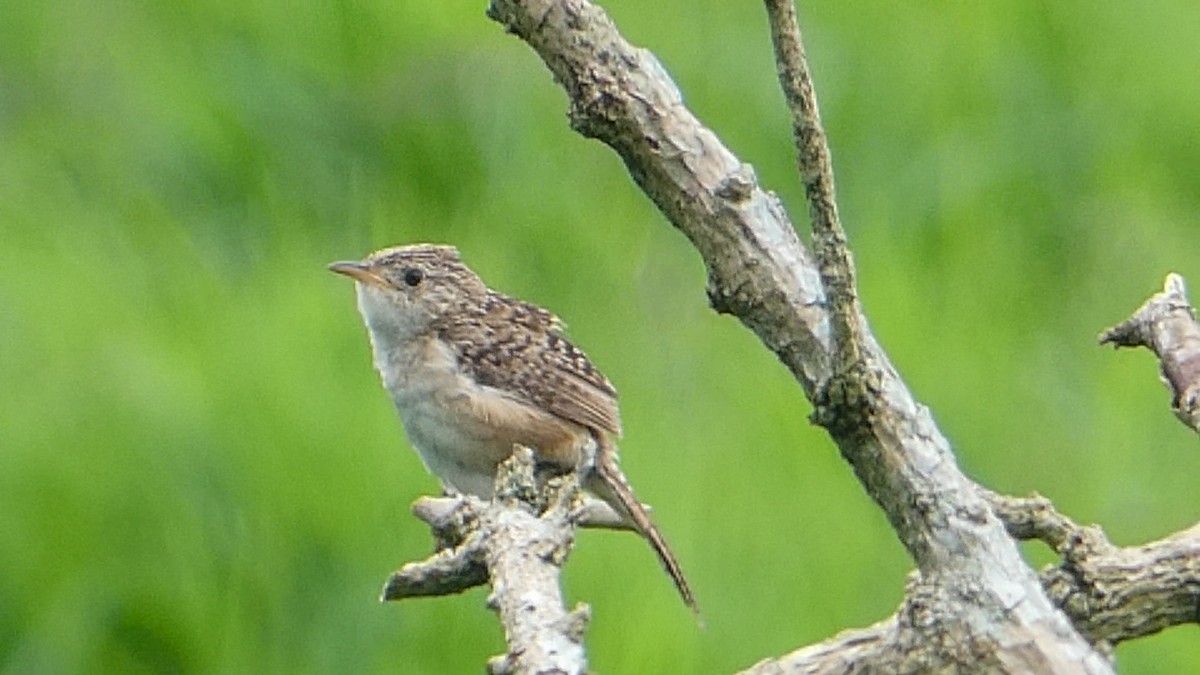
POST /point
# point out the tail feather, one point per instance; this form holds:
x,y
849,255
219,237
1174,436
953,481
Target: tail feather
x,y
611,485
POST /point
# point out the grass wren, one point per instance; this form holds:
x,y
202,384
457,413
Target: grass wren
x,y
473,372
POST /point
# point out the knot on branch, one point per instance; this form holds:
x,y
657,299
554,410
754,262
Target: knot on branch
x,y
738,185
845,403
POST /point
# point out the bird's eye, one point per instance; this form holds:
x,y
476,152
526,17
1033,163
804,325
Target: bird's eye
x,y
413,276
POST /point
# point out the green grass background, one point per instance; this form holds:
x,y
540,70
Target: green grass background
x,y
200,473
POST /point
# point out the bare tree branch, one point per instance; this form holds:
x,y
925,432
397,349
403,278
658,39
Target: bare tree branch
x,y
1033,517
519,540
843,653
975,602
1119,594
622,96
1166,324
815,166
1111,594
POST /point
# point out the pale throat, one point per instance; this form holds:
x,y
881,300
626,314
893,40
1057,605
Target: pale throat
x,y
393,323
404,356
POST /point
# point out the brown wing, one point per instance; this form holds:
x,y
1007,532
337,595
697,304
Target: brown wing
x,y
519,348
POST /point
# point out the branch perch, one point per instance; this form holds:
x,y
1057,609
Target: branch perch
x,y
519,540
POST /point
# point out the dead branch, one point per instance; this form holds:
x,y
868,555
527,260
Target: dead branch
x,y
519,541
972,604
1166,324
975,603
1111,594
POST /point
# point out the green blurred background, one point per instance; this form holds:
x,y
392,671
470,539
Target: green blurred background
x,y
200,473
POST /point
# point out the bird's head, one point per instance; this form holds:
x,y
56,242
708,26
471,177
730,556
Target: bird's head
x,y
404,290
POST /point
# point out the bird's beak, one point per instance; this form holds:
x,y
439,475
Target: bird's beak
x,y
358,271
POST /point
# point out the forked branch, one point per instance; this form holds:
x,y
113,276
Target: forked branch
x,y
972,603
975,600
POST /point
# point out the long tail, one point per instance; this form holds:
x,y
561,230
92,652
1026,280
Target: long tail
x,y
611,485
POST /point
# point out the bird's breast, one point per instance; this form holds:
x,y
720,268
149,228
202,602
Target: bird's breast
x,y
461,429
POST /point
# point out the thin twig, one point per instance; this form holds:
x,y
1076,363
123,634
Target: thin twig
x,y
1032,517
815,165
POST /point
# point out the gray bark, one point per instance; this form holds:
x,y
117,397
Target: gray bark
x,y
518,541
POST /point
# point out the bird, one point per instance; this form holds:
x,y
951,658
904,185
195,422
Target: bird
x,y
472,371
